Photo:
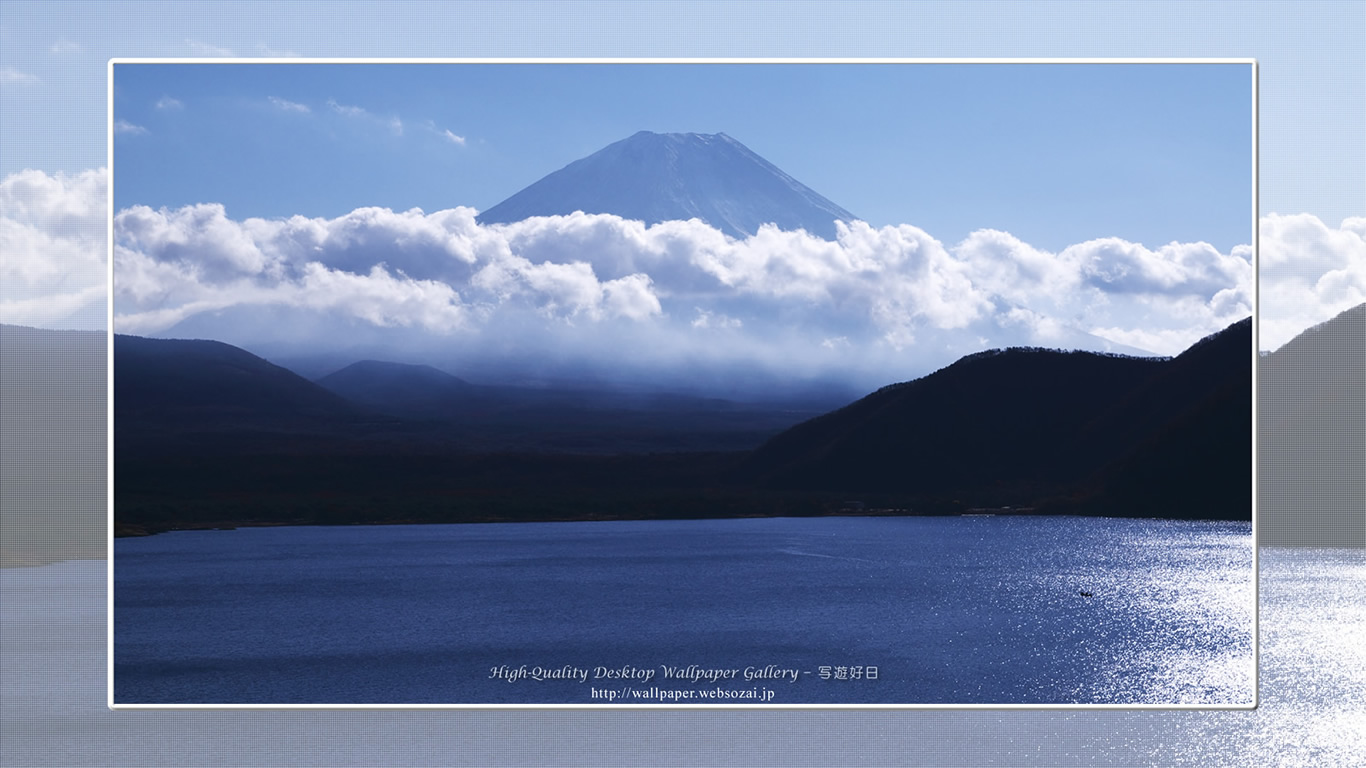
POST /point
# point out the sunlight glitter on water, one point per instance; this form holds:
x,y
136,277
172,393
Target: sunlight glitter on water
x,y
1004,610
1312,710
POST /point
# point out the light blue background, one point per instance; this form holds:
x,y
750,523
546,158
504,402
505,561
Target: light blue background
x,y
52,117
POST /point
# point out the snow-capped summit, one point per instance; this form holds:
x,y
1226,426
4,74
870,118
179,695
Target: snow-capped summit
x,y
657,177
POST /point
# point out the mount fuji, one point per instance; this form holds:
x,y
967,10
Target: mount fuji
x,y
654,177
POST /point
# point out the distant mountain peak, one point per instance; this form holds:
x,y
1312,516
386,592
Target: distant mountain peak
x,y
378,382
681,137
655,177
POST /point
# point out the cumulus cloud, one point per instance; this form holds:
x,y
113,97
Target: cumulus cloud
x,y
1008,267
875,298
886,302
1118,266
452,138
63,46
1310,272
200,236
390,268
167,103
52,249
176,291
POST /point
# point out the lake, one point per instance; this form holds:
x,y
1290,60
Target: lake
x,y
880,610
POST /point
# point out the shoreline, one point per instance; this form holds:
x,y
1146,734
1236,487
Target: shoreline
x,y
140,531
15,561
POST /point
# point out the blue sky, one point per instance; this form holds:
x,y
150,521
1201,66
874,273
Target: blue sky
x,y
1056,154
1313,171
1313,74
1119,195
53,79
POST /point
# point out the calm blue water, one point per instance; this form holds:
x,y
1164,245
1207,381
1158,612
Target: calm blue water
x,y
971,610
1312,708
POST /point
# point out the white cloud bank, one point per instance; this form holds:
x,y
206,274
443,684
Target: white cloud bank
x,y
1310,272
876,302
52,249
892,298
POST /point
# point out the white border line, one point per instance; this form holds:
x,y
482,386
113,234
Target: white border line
x,y
1256,355
1256,368
109,378
648,60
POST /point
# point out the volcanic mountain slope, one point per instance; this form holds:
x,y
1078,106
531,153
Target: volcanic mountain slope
x,y
654,177
1312,436
1023,425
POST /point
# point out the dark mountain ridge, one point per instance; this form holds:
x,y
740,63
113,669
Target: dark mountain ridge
x,y
953,428
1312,436
53,445
206,396
654,177
1182,439
1021,426
209,398
1200,372
220,436
169,379
566,419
